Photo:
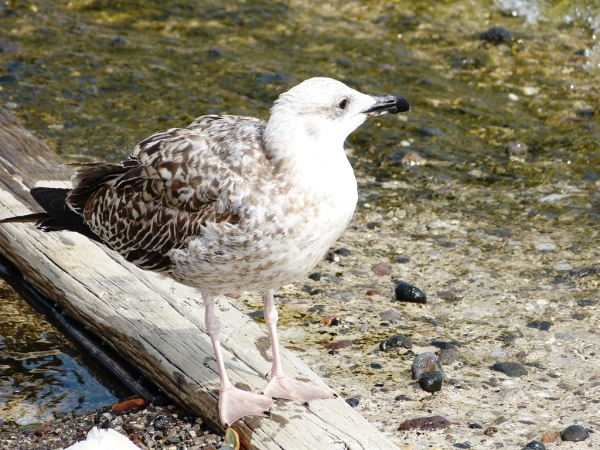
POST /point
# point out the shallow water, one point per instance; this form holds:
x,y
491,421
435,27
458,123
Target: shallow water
x,y
91,79
41,373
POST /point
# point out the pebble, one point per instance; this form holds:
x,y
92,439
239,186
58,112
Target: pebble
x,y
474,426
403,260
396,341
550,436
390,315
586,302
574,433
496,35
376,366
353,401
408,293
432,381
315,276
535,445
128,404
447,356
337,345
43,429
333,257
490,431
381,269
511,369
214,54
545,247
413,159
342,252
432,423
424,363
516,148
540,325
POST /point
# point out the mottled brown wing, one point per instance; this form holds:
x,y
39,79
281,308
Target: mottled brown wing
x,y
174,183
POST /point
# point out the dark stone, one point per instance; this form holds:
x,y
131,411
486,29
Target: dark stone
x,y
584,272
474,426
497,35
342,252
540,325
403,260
352,401
396,341
428,131
511,369
316,292
214,54
373,225
443,345
432,381
376,366
432,423
335,321
585,113
345,63
536,445
270,78
465,444
316,276
118,42
402,398
8,78
408,293
586,302
257,314
574,433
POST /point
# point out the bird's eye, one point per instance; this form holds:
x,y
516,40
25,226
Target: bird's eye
x,y
343,103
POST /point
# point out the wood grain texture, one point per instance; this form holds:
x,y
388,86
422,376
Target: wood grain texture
x,y
158,324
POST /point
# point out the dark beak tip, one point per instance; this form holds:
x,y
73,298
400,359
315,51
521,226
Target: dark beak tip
x,y
388,104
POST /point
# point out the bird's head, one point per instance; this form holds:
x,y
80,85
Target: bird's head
x,y
324,110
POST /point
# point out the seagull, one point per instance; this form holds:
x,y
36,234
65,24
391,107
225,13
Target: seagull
x,y
230,204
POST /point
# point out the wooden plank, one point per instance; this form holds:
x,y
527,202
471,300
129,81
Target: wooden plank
x,y
157,324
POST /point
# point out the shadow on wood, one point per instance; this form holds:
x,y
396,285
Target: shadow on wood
x,y
156,324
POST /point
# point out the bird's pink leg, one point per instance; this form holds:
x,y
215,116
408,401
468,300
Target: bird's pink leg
x,y
234,403
281,386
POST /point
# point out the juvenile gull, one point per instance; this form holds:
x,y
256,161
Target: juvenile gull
x,y
230,204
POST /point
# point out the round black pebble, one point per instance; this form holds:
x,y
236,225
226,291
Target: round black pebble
x,y
376,366
474,426
535,445
408,293
316,276
574,433
352,401
431,381
496,35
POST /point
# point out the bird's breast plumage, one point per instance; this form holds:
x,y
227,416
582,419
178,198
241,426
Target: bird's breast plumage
x,y
208,205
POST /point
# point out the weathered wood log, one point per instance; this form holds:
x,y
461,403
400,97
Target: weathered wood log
x,y
156,324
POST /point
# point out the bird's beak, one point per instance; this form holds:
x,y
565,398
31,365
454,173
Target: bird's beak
x,y
387,104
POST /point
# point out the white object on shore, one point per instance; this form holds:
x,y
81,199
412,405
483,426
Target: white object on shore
x,y
99,439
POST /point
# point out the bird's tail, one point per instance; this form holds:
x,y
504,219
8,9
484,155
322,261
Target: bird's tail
x,y
57,216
